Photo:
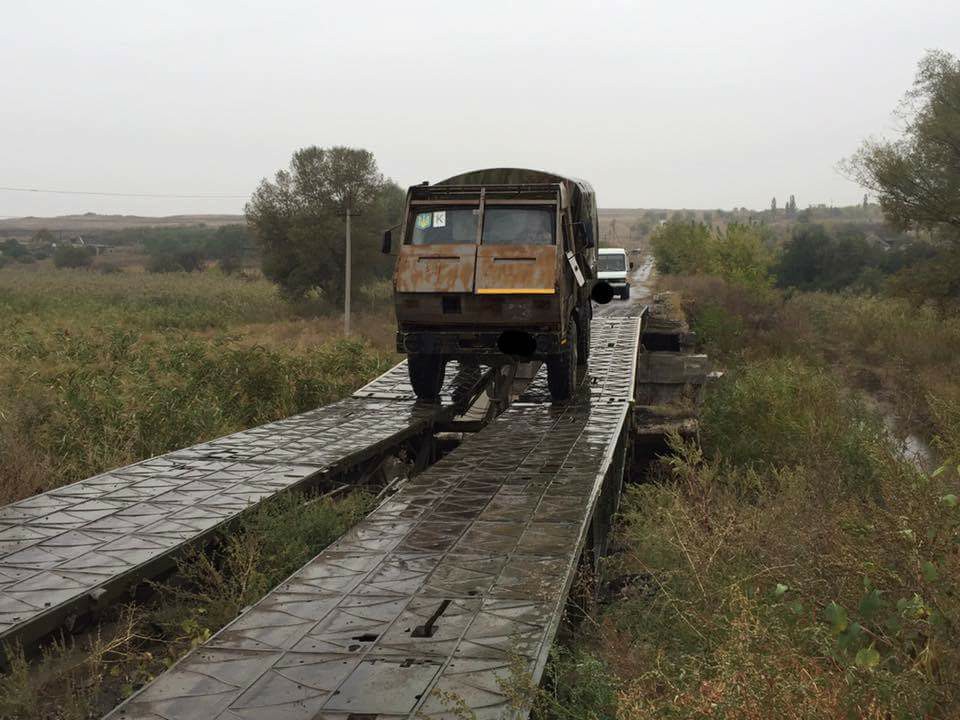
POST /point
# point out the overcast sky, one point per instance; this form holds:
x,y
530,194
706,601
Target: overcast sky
x,y
658,104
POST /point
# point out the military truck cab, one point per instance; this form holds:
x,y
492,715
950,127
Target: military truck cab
x,y
496,266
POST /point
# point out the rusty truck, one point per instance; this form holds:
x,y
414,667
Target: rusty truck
x,y
496,266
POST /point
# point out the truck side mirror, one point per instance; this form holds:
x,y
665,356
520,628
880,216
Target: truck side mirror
x,y
387,242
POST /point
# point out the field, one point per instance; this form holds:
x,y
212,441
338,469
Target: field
x,y
91,222
97,371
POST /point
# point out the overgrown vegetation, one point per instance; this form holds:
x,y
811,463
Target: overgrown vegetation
x,y
82,678
97,371
739,253
791,563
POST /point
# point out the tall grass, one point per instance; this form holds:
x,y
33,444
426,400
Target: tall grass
x,y
100,371
790,563
906,355
769,585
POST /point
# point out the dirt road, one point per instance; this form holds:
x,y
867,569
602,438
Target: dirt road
x,y
641,293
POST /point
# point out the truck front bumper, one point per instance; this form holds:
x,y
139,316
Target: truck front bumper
x,y
459,343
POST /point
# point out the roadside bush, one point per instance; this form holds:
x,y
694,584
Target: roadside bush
x,y
780,590
935,280
69,256
737,253
682,248
781,413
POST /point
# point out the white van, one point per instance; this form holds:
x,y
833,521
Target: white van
x,y
612,267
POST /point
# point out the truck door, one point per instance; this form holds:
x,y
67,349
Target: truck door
x,y
439,254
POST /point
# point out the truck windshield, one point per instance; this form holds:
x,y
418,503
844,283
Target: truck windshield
x,y
611,263
518,225
444,226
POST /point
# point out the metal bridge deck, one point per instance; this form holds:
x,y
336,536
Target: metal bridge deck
x,y
486,542
63,550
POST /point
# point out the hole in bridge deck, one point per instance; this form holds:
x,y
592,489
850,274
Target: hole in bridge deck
x,y
366,637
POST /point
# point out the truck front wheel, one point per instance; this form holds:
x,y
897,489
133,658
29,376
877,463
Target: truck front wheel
x,y
562,367
426,375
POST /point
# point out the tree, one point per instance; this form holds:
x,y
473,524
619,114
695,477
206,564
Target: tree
x,y
297,219
773,206
13,248
681,248
815,259
740,255
43,237
791,207
917,177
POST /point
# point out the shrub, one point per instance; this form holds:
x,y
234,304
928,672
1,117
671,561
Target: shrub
x,y
69,256
761,590
230,264
737,253
682,248
183,261
12,248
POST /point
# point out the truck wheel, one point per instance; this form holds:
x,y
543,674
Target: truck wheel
x,y
426,375
562,367
583,342
625,293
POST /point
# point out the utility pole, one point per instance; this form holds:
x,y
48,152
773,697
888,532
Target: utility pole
x,y
346,295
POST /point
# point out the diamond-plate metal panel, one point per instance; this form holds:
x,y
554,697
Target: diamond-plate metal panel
x,y
423,608
63,548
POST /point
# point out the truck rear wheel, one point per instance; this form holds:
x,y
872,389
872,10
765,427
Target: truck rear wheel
x,y
562,367
426,375
625,293
583,342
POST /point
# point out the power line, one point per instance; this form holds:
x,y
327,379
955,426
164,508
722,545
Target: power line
x,y
129,195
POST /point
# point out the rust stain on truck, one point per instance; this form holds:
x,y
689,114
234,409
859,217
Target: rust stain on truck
x,y
495,266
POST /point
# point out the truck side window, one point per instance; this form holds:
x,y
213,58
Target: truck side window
x,y
518,225
444,226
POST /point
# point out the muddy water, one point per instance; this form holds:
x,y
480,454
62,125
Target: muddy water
x,y
912,447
